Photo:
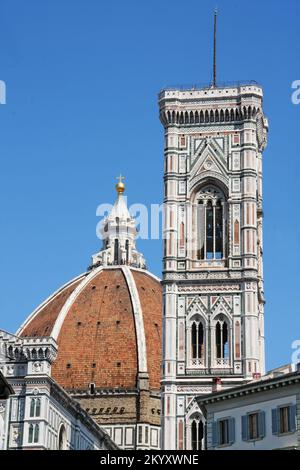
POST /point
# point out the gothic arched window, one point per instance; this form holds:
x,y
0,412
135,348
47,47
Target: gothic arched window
x,y
62,438
35,407
38,407
197,339
211,224
197,433
36,433
222,340
33,434
30,434
32,407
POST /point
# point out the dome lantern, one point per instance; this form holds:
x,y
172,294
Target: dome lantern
x,y
118,235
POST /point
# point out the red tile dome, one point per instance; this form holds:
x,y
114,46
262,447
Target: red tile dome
x,y
107,324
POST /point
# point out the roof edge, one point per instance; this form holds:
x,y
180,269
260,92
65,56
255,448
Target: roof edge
x,y
70,300
145,271
258,386
48,300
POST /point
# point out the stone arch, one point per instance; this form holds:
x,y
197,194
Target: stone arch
x,y
195,427
62,438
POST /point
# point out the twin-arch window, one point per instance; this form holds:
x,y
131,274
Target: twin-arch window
x,y
34,428
220,338
35,407
33,433
211,224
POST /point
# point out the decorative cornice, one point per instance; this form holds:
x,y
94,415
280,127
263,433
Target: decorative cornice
x,y
102,392
210,288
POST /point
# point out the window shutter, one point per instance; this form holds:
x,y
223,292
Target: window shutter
x,y
261,424
231,429
275,416
245,428
293,414
215,437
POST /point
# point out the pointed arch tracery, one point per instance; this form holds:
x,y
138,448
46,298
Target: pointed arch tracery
x,y
211,223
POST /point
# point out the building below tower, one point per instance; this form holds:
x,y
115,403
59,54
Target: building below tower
x,y
263,414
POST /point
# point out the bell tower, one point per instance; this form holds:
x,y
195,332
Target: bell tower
x,y
213,322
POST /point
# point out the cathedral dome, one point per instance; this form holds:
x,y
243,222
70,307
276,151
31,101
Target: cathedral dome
x,y
107,323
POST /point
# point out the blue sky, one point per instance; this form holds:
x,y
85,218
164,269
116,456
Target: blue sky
x,y
82,80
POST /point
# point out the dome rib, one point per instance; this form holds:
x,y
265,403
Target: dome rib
x,y
107,324
70,301
53,298
150,296
138,320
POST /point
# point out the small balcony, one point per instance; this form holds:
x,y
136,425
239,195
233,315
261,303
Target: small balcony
x,y
221,363
196,363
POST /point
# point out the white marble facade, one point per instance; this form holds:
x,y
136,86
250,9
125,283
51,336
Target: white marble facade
x,y
213,277
40,415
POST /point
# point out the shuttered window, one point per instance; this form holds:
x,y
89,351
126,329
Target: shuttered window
x,y
223,432
284,419
253,426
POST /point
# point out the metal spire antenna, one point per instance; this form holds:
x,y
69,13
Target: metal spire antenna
x,y
214,83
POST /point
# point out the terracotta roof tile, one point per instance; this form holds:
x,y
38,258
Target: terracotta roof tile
x,y
97,341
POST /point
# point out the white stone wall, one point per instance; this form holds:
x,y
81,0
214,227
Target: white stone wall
x,y
26,364
4,422
141,436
